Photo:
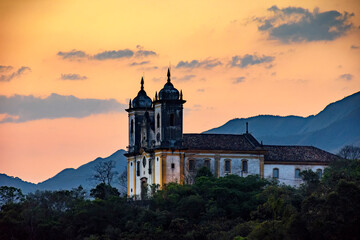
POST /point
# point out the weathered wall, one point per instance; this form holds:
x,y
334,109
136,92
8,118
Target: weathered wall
x,y
287,172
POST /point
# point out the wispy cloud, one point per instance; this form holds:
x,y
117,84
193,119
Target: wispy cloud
x,y
354,47
5,68
105,55
346,76
184,78
126,53
248,60
72,76
238,80
208,63
296,24
139,63
73,54
18,73
21,108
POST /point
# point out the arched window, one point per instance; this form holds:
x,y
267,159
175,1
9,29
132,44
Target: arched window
x,y
207,163
132,126
227,166
138,168
275,173
297,173
319,173
191,165
172,119
158,120
244,165
144,161
150,167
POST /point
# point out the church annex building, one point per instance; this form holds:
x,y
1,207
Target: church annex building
x,y
159,152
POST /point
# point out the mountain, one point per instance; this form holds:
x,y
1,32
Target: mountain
x,y
71,178
331,129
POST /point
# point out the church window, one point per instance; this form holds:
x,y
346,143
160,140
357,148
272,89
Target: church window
x,y
158,120
275,173
207,163
172,119
144,161
297,173
244,165
150,167
191,165
132,126
227,166
138,168
319,173
172,165
131,190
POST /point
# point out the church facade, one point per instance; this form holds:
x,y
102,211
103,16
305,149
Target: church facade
x,y
159,152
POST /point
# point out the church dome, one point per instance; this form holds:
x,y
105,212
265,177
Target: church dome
x,y
168,92
142,100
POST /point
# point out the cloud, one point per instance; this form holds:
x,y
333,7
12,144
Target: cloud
x,y
296,24
200,90
18,73
20,108
139,63
248,59
354,47
346,76
73,54
72,76
105,55
126,53
208,63
239,80
184,78
5,68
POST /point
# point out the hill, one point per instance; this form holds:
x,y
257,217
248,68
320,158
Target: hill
x,y
71,178
331,129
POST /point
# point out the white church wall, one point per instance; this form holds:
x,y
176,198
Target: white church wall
x,y
287,172
235,164
131,178
157,170
173,168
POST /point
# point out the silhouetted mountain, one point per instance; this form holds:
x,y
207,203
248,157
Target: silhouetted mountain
x,y
331,129
16,182
71,178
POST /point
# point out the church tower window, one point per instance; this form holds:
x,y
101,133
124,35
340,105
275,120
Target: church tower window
x,y
132,126
138,168
150,167
158,120
172,119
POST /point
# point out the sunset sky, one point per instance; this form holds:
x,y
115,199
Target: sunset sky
x,y
69,67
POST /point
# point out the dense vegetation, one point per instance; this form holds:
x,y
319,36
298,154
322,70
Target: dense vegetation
x,y
212,208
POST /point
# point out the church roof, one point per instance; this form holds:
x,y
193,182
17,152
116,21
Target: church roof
x,y
246,142
229,142
276,153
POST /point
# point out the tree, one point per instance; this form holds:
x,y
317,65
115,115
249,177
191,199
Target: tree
x,y
104,191
104,172
350,152
10,195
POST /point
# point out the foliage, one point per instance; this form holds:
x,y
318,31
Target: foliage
x,y
227,208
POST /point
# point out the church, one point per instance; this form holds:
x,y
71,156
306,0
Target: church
x,y
159,152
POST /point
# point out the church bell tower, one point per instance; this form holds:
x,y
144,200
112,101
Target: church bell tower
x,y
168,114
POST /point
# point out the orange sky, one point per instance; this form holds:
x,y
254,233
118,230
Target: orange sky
x,y
306,58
